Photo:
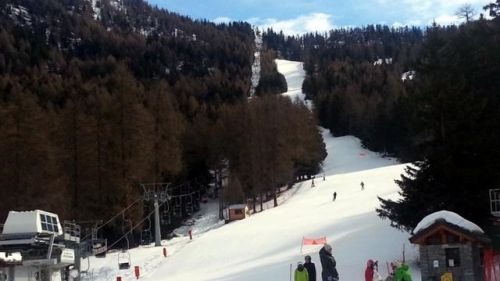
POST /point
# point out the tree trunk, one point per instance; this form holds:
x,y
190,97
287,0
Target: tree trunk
x,y
275,198
261,202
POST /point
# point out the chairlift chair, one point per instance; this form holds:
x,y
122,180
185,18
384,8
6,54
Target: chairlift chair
x,y
165,219
163,196
124,255
85,273
146,234
147,196
146,237
189,205
124,260
177,212
99,248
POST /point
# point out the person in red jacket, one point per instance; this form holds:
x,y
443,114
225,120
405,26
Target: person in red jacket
x,y
369,270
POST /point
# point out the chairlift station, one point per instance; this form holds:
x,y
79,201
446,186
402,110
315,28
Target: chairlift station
x,y
35,247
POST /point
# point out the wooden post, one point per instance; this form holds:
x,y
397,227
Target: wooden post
x,y
290,272
137,272
404,252
301,244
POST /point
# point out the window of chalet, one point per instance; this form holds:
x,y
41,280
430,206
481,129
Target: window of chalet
x,y
452,257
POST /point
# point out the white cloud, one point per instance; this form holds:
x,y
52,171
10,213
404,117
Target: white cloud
x,y
424,12
447,20
222,20
313,22
407,23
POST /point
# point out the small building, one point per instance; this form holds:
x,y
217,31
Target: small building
x,y
450,246
35,246
236,212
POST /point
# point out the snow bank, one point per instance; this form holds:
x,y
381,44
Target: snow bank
x,y
449,217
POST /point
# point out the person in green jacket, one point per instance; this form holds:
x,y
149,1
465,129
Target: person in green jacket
x,y
402,273
301,273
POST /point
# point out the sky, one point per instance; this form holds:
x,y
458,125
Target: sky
x,y
301,16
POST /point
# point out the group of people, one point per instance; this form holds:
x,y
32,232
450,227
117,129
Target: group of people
x,y
399,272
307,271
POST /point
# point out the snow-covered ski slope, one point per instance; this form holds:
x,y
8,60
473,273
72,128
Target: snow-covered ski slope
x,y
263,246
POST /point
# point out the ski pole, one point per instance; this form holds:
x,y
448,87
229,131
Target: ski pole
x,y
404,252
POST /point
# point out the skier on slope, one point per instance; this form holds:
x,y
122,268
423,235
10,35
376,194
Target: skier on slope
x,y
311,268
301,273
328,263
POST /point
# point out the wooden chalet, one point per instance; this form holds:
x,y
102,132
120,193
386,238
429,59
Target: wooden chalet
x,y
450,251
236,212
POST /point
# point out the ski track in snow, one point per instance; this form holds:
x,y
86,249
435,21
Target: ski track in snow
x,y
263,246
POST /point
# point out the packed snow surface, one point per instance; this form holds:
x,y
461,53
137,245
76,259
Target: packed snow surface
x,y
266,245
450,217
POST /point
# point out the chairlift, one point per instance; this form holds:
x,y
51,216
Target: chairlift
x,y
189,205
165,219
124,260
124,255
177,207
99,248
85,274
146,236
163,196
177,212
147,196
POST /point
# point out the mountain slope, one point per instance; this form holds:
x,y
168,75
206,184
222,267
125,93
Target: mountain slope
x,y
263,246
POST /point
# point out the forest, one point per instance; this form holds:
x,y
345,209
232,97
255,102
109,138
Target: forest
x,y
94,102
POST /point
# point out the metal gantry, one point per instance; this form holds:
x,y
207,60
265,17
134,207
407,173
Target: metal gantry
x,y
157,193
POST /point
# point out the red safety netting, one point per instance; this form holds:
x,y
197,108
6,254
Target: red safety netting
x,y
491,265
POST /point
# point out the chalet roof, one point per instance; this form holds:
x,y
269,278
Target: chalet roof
x,y
450,217
442,224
